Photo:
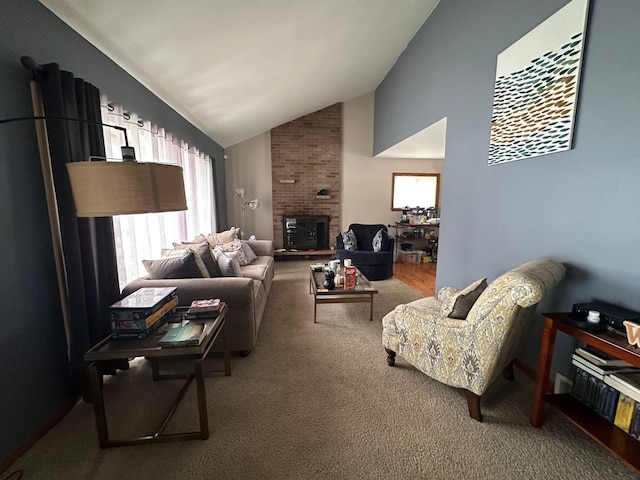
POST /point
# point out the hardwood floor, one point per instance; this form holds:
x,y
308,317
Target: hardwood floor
x,y
419,276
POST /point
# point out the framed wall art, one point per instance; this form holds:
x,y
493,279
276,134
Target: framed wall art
x,y
536,88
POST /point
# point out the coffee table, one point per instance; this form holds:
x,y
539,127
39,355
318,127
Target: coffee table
x,y
363,293
112,349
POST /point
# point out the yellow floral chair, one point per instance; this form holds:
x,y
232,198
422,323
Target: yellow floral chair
x,y
466,338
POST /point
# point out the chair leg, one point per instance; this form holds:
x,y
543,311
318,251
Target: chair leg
x,y
473,402
508,372
391,357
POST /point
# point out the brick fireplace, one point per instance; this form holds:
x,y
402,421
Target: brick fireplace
x,y
306,157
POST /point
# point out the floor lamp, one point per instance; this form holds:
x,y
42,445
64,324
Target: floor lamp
x,y
102,189
252,204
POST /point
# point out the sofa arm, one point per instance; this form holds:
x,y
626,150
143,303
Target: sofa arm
x,y
235,291
262,248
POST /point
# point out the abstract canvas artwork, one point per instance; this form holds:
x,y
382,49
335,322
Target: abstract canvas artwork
x,y
536,88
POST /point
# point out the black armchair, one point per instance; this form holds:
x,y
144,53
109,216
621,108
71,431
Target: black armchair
x,y
373,265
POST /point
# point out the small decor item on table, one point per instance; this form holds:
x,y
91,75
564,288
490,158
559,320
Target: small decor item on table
x,y
593,316
329,282
633,332
350,277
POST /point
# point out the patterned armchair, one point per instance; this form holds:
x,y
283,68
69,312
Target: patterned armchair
x,y
470,353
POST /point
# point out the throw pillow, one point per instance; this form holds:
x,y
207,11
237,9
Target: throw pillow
x,y
234,250
349,240
177,267
228,266
221,238
377,241
175,252
248,252
202,250
459,305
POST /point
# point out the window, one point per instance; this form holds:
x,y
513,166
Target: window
x,y
415,190
140,237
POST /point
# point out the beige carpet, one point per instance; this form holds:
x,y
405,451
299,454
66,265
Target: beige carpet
x,y
319,401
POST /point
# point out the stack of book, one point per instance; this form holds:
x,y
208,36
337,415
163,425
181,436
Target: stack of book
x,y
142,312
203,309
609,386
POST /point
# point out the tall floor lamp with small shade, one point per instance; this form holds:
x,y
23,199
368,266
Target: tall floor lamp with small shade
x,y
252,204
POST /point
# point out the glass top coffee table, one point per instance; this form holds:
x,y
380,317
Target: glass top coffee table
x,y
362,293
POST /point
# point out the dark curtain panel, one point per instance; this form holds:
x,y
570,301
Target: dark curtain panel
x,y
88,243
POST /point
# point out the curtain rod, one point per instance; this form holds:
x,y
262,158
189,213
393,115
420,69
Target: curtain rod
x,y
31,64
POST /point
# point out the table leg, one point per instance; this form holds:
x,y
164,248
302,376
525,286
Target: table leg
x,y
202,399
315,307
98,405
371,312
542,376
225,347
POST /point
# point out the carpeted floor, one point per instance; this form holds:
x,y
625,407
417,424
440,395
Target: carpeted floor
x,y
318,401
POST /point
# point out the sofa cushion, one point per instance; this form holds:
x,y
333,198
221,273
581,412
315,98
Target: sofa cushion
x,y
349,240
234,250
175,253
177,267
203,250
221,238
459,305
248,252
229,267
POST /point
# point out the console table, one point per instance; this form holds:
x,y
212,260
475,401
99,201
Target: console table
x,y
109,349
605,433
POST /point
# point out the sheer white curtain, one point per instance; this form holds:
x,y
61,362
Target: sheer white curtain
x,y
140,237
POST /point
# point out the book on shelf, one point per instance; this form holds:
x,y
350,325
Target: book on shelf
x,y
206,305
634,427
624,412
601,370
598,357
190,334
201,315
591,389
625,382
141,328
141,303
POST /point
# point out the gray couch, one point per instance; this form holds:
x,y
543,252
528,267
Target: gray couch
x,y
245,296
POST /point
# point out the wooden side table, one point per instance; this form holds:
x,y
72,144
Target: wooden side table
x,y
109,349
605,433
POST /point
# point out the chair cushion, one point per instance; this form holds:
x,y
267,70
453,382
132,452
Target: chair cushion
x,y
377,240
458,305
349,240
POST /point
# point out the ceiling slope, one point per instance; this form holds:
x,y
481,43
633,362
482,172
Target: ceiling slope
x,y
236,69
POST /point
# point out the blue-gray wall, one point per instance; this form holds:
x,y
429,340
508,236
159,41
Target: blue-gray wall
x,y
33,372
579,206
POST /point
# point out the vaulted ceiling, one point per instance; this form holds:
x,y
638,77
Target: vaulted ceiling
x,y
236,69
